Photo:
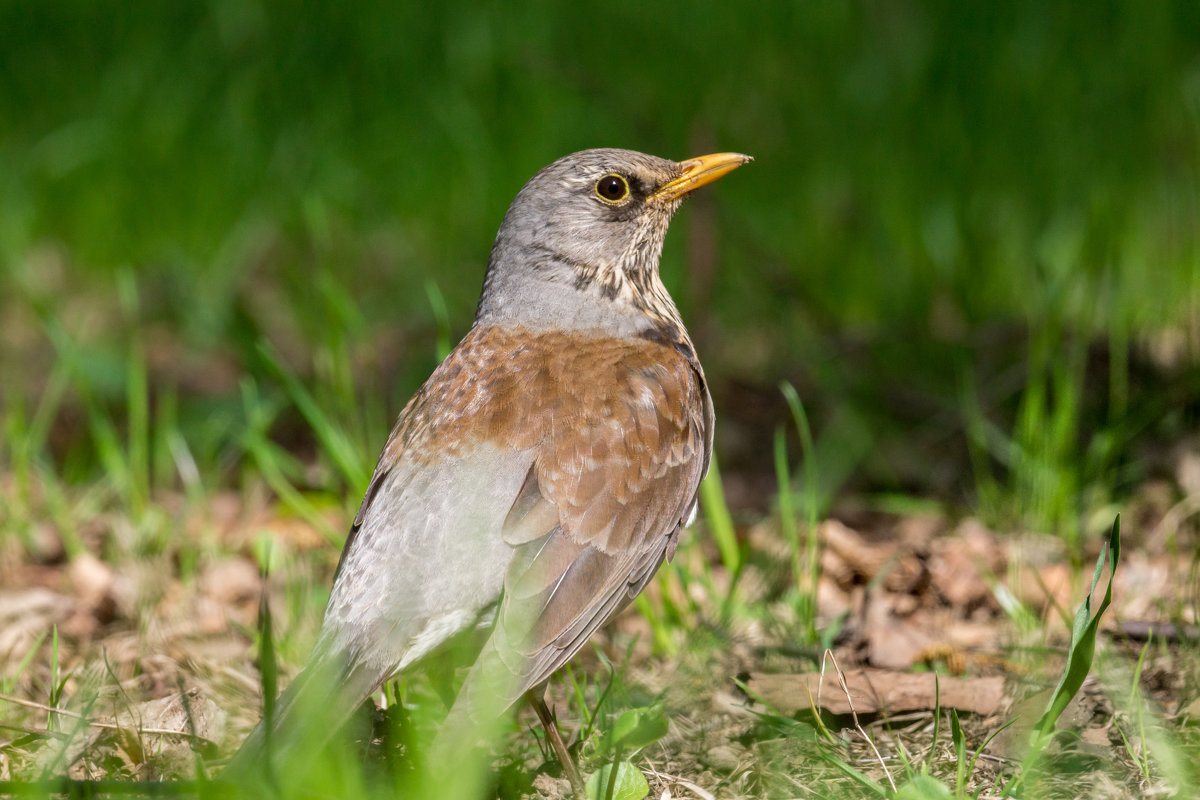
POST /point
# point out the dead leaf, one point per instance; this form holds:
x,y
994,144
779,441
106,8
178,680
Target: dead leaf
x,y
26,614
870,557
192,714
833,601
957,564
93,582
919,530
847,545
230,589
892,641
1047,587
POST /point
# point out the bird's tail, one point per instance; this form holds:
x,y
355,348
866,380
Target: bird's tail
x,y
458,758
296,731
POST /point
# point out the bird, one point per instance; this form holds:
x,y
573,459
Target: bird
x,y
544,471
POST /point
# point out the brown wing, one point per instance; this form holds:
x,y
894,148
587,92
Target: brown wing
x,y
602,506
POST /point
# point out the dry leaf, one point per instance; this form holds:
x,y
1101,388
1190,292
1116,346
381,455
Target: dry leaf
x,y
892,641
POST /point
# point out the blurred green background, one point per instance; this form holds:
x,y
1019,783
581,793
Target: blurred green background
x,y
969,237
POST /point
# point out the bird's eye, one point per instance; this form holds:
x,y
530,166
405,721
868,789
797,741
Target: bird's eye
x,y
612,189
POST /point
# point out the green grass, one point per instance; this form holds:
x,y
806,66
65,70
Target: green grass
x,y
235,237
616,720
943,196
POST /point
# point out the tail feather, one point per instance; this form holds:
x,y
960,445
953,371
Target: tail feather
x,y
457,759
312,710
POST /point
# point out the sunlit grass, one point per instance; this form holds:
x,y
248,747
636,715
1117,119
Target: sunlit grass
x,y
234,239
608,727
236,216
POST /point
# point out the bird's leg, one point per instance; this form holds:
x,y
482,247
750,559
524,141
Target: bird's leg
x,y
538,701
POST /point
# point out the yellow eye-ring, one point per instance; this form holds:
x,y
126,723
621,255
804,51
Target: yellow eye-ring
x,y
612,189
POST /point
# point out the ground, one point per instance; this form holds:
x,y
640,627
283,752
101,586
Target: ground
x,y
129,668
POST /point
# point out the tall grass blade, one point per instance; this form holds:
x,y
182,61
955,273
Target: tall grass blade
x,y
720,521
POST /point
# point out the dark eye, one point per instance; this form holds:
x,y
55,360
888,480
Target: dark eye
x,y
612,189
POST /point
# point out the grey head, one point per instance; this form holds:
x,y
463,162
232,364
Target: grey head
x,y
580,244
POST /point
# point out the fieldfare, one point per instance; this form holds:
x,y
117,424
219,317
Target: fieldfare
x,y
544,471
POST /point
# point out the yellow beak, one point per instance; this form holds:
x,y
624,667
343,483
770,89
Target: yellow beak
x,y
699,171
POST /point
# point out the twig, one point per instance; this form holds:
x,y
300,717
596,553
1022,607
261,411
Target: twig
x,y
112,726
700,792
853,714
40,706
33,731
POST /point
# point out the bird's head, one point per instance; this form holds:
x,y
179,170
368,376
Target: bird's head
x,y
580,244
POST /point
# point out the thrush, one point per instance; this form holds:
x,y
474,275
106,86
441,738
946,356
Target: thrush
x,y
544,471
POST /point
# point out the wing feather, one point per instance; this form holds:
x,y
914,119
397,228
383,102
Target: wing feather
x,y
619,489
